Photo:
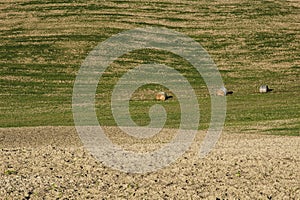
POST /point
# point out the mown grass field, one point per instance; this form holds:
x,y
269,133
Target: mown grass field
x,y
43,43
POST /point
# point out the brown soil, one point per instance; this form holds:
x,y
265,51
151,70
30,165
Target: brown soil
x,y
50,163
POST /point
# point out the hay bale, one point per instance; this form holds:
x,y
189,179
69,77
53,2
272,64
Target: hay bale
x,y
264,89
222,92
161,96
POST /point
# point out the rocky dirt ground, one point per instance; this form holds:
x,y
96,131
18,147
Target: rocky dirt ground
x,y
51,163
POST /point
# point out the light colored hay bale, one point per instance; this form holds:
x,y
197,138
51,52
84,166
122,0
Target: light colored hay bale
x,y
264,89
222,91
161,96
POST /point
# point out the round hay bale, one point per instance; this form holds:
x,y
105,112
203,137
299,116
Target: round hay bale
x,y
222,91
161,96
263,89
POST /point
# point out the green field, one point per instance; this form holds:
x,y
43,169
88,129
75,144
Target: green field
x,y
43,44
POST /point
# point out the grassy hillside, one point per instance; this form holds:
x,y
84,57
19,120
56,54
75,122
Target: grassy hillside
x,y
43,43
